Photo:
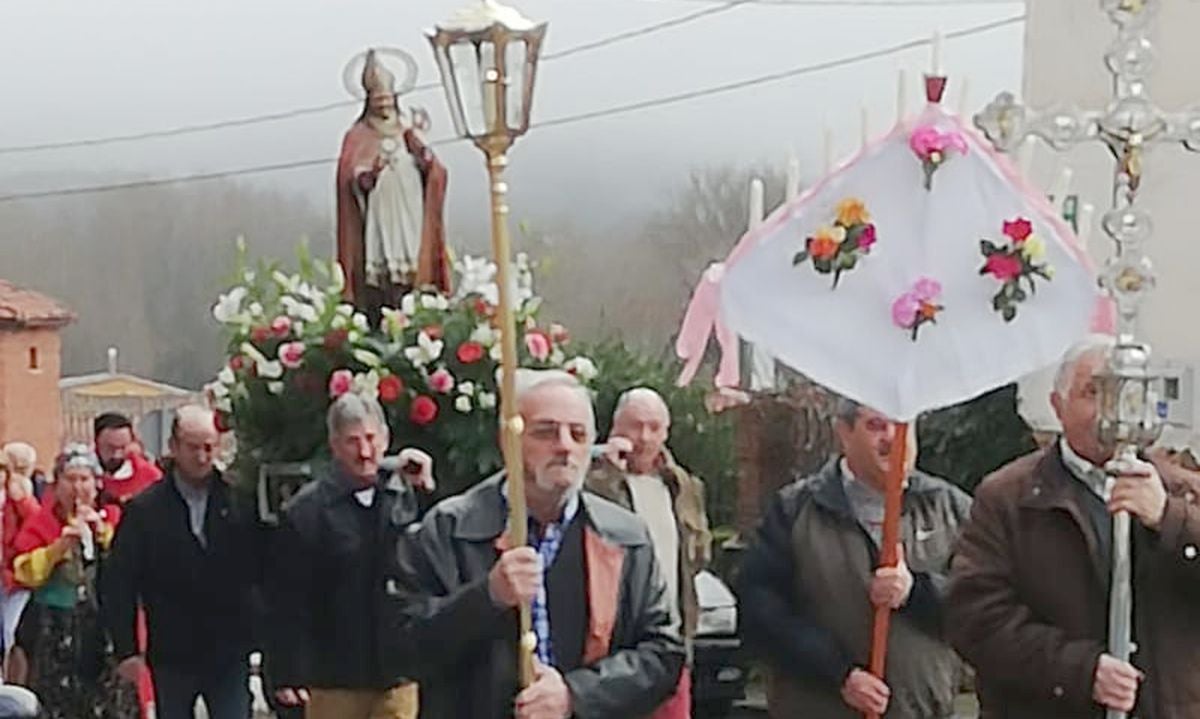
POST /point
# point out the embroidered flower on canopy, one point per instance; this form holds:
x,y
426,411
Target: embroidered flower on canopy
x,y
1023,258
918,306
934,147
838,247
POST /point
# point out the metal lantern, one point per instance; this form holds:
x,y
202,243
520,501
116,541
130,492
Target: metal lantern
x,y
487,55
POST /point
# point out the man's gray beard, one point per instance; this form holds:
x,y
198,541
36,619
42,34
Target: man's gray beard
x,y
546,484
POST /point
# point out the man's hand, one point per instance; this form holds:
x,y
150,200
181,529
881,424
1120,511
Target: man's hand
x,y
547,698
864,692
1138,490
892,585
130,669
617,450
71,536
1116,683
292,697
417,467
516,577
18,488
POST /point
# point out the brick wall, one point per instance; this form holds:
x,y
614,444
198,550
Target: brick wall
x,y
29,400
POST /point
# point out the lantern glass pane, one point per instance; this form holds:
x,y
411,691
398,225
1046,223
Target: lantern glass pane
x,y
514,60
465,60
453,93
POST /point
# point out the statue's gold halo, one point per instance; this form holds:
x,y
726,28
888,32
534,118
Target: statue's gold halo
x,y
398,62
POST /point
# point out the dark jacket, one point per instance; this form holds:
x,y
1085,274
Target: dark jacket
x,y
199,600
1029,597
804,605
464,646
333,563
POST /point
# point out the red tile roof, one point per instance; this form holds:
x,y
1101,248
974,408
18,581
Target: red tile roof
x,y
26,308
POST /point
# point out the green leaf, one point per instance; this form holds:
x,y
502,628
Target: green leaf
x,y
1009,312
988,248
800,258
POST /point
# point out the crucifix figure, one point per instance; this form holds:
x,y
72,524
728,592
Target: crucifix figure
x,y
1129,127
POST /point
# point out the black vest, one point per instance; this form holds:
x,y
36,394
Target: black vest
x,y
566,596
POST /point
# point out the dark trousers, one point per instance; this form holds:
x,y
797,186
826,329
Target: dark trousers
x,y
225,690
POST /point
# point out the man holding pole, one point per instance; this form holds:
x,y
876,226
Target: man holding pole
x,y
606,642
809,585
1028,604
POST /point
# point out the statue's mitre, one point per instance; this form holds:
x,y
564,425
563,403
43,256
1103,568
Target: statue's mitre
x,y
377,79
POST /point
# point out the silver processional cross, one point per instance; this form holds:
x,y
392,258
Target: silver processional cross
x,y
1131,415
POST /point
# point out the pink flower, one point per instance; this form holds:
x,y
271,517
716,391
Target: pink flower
x,y
927,289
340,382
281,326
538,344
291,354
1003,267
925,140
905,310
441,381
1018,230
866,238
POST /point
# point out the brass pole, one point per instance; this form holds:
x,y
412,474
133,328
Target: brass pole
x,y
511,426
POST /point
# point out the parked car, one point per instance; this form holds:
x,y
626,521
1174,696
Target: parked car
x,y
718,669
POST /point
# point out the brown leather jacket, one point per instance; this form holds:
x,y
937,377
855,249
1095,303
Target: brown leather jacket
x,y
1028,602
695,540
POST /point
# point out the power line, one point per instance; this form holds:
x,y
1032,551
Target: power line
x,y
878,3
565,120
314,109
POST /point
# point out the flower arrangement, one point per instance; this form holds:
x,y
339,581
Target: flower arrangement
x,y
934,147
1022,258
837,248
918,306
294,345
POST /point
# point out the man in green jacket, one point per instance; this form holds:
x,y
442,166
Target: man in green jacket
x,y
637,471
809,585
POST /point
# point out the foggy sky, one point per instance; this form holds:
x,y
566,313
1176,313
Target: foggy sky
x,y
72,70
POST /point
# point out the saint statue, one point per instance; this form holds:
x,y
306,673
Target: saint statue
x,y
391,190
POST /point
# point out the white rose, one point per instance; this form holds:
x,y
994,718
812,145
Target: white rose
x,y
467,388
275,387
463,404
487,400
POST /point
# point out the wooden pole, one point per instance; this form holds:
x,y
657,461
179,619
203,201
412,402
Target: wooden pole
x,y
888,556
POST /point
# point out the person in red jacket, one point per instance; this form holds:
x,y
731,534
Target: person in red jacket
x,y
126,473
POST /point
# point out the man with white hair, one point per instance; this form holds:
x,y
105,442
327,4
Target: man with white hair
x,y
333,575
637,471
607,643
1028,600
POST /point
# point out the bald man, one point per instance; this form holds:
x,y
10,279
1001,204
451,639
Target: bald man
x,y
637,471
186,552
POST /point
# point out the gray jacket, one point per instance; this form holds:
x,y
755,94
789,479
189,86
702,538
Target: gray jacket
x,y
462,647
804,602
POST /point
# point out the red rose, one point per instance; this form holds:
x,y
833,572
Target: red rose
x,y
390,388
469,352
1003,267
434,332
236,363
258,335
482,308
424,410
1019,229
335,339
221,420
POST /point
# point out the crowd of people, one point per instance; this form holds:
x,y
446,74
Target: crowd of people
x,y
125,578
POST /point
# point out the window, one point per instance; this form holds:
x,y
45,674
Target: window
x,y
33,358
